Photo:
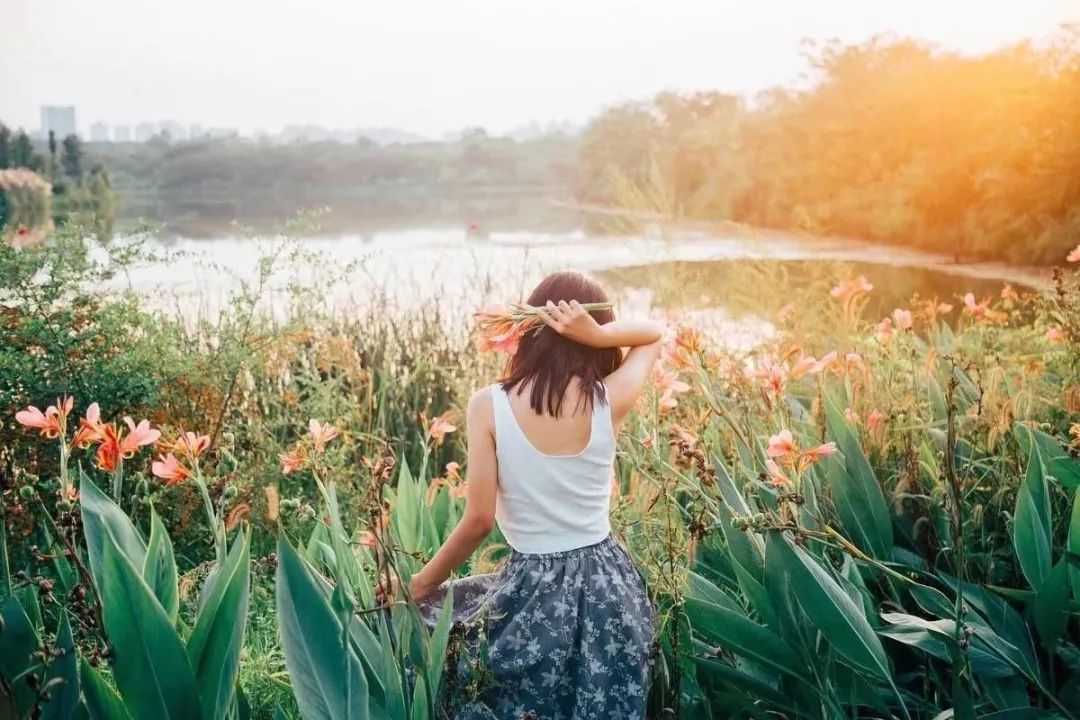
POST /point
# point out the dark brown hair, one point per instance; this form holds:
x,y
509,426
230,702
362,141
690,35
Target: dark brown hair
x,y
547,362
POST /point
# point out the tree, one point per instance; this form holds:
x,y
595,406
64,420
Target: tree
x,y
71,158
22,152
5,147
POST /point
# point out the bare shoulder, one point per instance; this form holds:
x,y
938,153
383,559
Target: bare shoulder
x,y
481,411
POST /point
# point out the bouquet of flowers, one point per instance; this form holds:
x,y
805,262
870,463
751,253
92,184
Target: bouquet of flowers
x,y
500,328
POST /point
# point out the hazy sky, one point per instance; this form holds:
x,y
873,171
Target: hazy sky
x,y
437,65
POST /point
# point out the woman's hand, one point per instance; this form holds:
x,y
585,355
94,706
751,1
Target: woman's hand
x,y
418,589
574,322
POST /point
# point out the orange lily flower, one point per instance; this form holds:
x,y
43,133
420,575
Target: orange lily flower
x,y
440,427
293,460
191,445
321,434
1074,255
169,469
90,428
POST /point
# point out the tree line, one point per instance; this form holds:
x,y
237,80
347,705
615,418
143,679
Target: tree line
x,y
76,193
895,141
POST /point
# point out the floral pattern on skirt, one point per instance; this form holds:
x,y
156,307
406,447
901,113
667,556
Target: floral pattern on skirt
x,y
550,636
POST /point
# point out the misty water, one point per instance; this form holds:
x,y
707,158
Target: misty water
x,y
463,254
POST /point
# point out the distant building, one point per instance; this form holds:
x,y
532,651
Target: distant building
x,y
60,119
122,133
144,131
99,132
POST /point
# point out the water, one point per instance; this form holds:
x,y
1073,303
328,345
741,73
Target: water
x,y
729,277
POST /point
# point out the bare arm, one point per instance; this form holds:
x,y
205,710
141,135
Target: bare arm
x,y
479,517
643,337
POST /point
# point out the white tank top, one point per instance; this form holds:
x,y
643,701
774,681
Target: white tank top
x,y
551,503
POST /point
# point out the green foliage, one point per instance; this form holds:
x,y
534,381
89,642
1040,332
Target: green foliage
x,y
896,141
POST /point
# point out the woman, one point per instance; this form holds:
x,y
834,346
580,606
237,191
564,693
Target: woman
x,y
564,629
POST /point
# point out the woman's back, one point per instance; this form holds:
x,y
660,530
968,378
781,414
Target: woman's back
x,y
554,473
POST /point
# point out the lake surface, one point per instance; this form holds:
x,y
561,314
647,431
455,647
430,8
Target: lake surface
x,y
730,277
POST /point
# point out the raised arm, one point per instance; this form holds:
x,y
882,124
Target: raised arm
x,y
643,337
479,516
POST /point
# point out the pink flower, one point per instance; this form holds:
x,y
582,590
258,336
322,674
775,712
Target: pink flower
x,y
169,469
440,427
292,461
782,446
853,362
1055,335
826,362
805,365
47,422
884,332
776,475
191,445
89,431
321,434
875,420
137,436
1074,255
772,376
669,385
902,318
813,455
976,310
850,291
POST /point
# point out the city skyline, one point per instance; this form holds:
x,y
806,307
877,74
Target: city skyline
x,y
431,68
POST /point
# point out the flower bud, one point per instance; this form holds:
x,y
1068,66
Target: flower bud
x,y
27,492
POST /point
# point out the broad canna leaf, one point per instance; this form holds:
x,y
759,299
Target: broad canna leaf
x,y
1057,463
407,510
159,568
832,611
19,641
1050,607
716,618
327,678
101,517
63,698
215,642
102,702
440,637
857,495
1032,523
151,668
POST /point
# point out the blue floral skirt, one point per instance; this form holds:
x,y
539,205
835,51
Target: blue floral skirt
x,y
549,636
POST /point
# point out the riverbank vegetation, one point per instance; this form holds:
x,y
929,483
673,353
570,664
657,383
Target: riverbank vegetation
x,y
40,189
891,141
871,513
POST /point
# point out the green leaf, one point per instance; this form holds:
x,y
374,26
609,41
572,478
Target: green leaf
x,y
159,568
437,650
102,702
830,609
19,641
1056,461
1049,609
326,675
215,643
420,700
101,516
1032,523
720,621
857,495
407,509
151,668
63,699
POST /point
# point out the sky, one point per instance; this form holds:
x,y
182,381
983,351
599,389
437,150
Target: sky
x,y
435,66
